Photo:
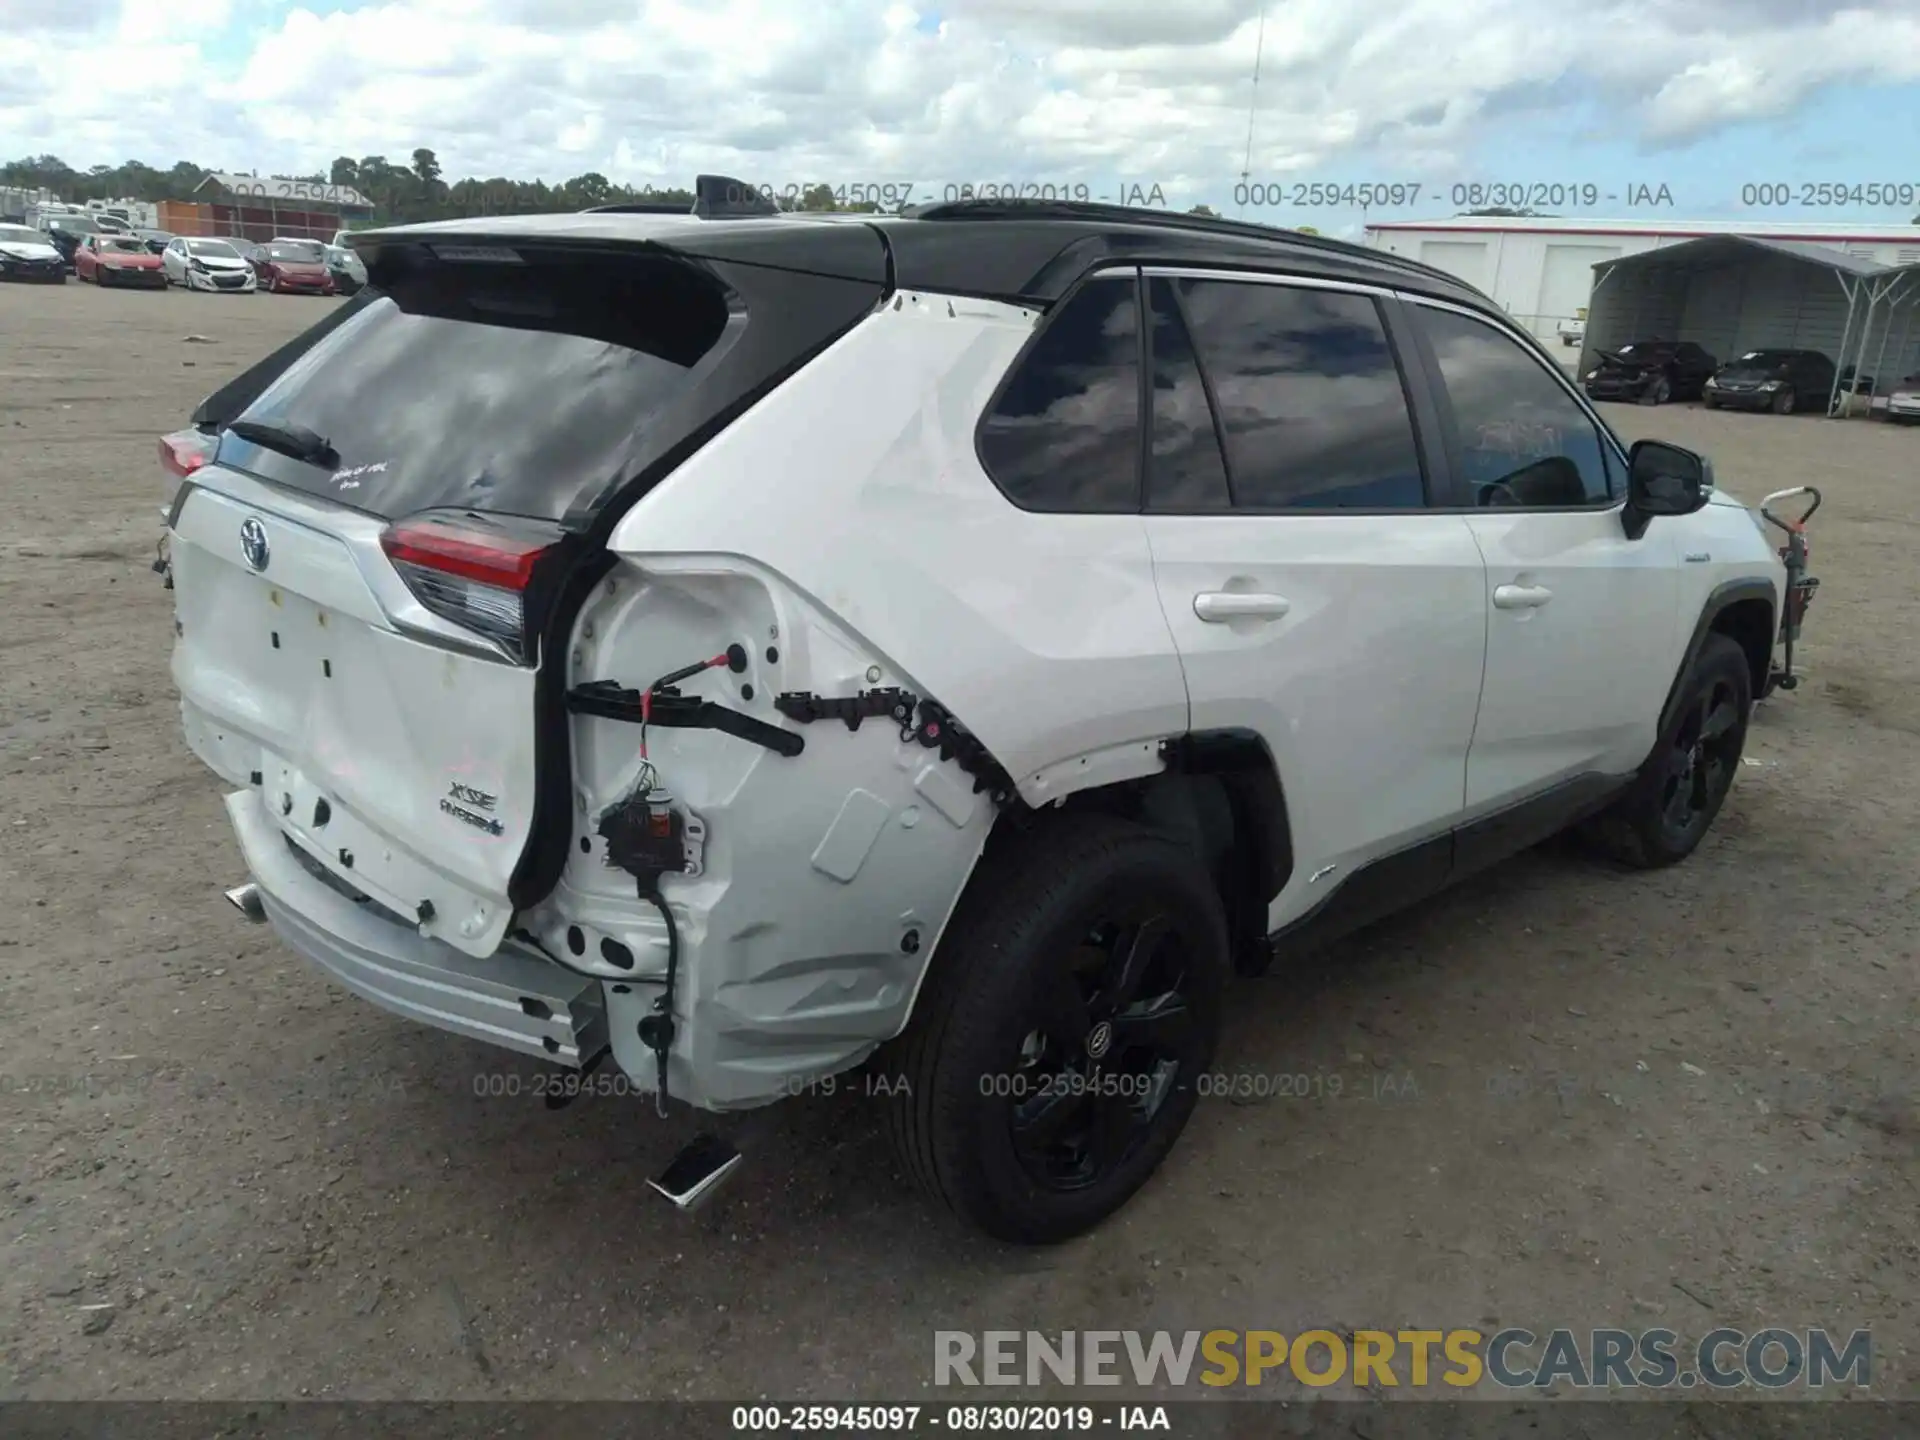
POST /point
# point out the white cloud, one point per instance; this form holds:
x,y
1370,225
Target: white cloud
x,y
653,90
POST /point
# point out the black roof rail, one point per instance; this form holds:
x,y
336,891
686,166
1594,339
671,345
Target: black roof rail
x,y
1167,219
637,208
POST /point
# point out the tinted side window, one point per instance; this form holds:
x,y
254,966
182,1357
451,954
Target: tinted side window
x,y
1519,438
1065,432
1185,470
1309,395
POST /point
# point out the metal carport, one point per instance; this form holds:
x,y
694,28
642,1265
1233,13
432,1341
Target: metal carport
x,y
1734,293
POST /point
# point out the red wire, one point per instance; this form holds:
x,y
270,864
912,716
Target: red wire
x,y
646,702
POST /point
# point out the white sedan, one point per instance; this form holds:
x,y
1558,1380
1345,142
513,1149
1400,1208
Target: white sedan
x,y
1903,402
206,264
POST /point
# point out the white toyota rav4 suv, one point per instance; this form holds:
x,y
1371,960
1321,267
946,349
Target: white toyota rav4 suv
x,y
744,648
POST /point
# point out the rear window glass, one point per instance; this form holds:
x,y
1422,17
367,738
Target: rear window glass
x,y
508,388
1065,432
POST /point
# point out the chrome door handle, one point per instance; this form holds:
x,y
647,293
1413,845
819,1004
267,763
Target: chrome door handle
x,y
1520,597
1217,606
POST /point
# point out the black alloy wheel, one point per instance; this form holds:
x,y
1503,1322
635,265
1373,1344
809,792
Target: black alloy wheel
x,y
1058,1041
1664,814
1700,761
1112,1035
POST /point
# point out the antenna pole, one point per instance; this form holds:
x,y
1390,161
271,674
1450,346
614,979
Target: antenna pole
x,y
1253,100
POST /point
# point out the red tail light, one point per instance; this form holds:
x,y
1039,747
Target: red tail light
x,y
473,570
185,451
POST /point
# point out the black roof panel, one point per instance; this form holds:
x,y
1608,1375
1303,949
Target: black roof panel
x,y
1024,253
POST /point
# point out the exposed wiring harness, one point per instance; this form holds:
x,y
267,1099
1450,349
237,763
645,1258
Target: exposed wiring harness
x,y
657,1028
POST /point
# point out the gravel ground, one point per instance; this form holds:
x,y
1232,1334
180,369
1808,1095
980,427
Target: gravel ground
x,y
1568,1096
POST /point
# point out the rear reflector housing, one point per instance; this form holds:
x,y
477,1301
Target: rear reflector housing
x,y
477,571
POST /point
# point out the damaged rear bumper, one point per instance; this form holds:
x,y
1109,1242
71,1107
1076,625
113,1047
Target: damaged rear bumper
x,y
508,999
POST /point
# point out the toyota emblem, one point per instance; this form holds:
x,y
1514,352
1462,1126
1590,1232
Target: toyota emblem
x,y
1100,1040
253,542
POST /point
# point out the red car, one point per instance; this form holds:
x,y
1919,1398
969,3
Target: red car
x,y
289,268
118,260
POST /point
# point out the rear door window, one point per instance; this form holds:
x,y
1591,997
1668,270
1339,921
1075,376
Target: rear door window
x,y
1309,396
1064,434
508,388
1186,469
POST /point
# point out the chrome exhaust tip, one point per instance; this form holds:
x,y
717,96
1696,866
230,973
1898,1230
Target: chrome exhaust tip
x,y
246,899
698,1172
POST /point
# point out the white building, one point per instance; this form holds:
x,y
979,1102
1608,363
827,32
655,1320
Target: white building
x,y
1542,270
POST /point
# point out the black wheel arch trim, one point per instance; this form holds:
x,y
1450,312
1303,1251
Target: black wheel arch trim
x,y
1724,596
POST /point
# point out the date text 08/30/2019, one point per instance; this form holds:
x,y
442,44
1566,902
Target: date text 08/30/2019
x,y
963,1419
897,194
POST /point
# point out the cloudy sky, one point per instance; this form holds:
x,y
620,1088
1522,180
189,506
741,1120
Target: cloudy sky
x,y
1702,97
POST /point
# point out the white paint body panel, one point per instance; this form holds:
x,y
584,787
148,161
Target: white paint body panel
x,y
379,739
1364,690
1573,686
861,490
846,523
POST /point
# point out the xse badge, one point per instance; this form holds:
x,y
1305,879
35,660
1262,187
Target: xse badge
x,y
463,802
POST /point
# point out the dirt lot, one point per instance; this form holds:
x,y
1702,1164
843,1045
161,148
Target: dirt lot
x,y
1568,1096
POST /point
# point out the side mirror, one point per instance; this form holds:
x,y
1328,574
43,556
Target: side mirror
x,y
1663,479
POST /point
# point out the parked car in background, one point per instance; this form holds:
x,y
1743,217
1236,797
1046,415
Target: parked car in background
x,y
1903,401
1651,372
291,267
348,273
67,231
27,254
1573,331
199,263
155,240
1782,381
110,223
118,260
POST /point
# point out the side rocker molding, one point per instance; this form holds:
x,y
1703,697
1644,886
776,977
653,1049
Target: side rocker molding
x,y
1425,868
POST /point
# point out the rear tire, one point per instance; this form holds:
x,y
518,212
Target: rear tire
x,y
1054,1053
1672,803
